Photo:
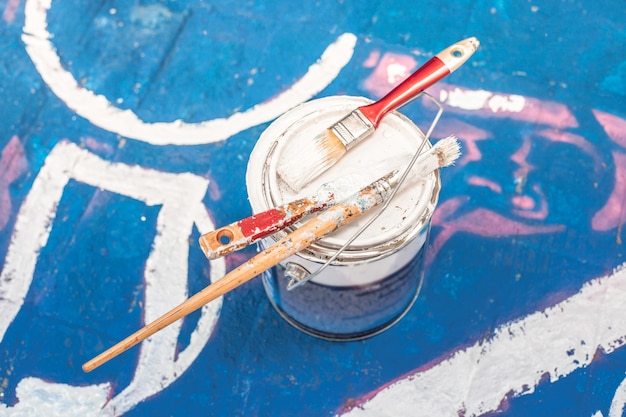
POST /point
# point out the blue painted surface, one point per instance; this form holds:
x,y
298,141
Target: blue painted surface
x,y
192,60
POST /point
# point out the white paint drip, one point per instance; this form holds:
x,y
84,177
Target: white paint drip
x,y
552,343
102,113
481,99
180,197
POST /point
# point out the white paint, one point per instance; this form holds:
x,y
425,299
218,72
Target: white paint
x,y
514,359
481,99
619,401
395,237
396,72
40,398
180,197
509,103
102,113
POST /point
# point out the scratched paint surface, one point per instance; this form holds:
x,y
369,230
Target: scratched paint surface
x,y
125,133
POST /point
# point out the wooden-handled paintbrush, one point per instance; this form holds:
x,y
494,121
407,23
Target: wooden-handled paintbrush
x,y
327,222
299,165
246,231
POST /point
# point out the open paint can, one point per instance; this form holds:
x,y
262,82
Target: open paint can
x,y
377,278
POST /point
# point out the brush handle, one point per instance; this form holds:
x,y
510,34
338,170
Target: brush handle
x,y
292,243
296,241
244,232
444,63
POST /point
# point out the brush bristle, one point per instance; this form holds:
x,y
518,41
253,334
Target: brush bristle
x,y
300,164
448,150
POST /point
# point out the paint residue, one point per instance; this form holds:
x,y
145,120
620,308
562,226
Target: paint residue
x,y
12,165
613,213
390,71
492,104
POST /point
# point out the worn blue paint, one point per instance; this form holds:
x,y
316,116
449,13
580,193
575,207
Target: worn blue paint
x,y
90,272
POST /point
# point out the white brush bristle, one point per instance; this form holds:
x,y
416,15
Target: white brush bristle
x,y
448,150
301,164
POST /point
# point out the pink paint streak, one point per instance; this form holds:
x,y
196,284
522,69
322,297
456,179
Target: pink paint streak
x,y
576,140
484,182
613,213
520,158
12,165
527,208
614,126
523,202
534,110
371,60
482,222
95,145
9,11
389,72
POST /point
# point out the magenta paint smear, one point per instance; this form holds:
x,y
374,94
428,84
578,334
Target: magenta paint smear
x,y
390,71
484,182
12,165
482,222
576,140
492,104
614,126
9,10
613,213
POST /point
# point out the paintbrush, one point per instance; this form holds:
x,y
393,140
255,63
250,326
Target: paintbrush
x,y
245,232
335,217
299,165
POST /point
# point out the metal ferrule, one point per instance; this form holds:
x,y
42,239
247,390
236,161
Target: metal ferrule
x,y
352,129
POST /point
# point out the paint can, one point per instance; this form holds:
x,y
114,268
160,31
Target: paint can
x,y
376,279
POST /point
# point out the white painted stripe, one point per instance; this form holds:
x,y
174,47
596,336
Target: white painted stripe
x,y
547,344
166,271
102,113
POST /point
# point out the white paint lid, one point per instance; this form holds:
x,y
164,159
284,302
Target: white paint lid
x,y
388,148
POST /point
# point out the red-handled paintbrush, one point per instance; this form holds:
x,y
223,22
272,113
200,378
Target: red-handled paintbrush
x,y
301,164
244,232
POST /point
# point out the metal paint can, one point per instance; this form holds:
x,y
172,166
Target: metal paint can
x,y
374,281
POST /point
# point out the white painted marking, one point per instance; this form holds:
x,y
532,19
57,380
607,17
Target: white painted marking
x,y
102,113
180,197
481,99
547,344
40,398
619,401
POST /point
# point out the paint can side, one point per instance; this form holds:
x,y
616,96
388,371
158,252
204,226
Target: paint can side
x,y
378,277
